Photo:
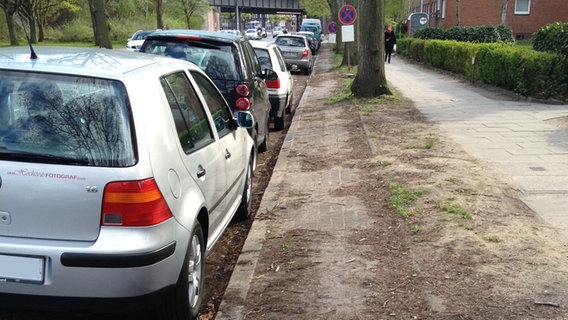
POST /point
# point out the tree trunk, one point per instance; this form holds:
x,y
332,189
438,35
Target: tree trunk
x,y
159,14
504,4
10,8
334,6
370,80
33,29
100,25
93,21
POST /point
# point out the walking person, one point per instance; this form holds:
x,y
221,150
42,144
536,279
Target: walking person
x,y
390,42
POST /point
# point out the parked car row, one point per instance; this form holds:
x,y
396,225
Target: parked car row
x,y
119,171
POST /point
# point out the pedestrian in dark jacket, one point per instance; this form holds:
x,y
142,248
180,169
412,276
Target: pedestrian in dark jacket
x,y
390,41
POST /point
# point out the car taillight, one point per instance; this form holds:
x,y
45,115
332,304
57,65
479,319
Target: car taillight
x,y
194,38
242,90
273,84
242,103
134,204
306,53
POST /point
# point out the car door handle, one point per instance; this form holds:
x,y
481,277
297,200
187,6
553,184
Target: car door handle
x,y
227,154
201,171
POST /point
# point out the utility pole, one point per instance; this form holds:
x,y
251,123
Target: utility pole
x,y
237,16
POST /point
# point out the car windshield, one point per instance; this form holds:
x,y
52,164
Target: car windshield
x,y
64,119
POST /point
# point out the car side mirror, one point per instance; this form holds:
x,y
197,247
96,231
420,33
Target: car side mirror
x,y
270,74
245,119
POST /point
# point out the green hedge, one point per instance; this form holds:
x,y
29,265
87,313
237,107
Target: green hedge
x,y
526,72
479,34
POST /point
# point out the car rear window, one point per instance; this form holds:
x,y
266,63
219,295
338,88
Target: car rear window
x,y
75,120
263,58
290,41
217,59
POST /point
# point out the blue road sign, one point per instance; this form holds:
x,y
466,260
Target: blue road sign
x,y
347,14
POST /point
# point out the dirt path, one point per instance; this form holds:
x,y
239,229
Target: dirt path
x,y
428,231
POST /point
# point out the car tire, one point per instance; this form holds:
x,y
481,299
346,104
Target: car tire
x,y
290,103
245,208
188,292
263,147
280,122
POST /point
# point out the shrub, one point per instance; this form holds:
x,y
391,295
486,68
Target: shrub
x,y
76,31
552,38
430,33
481,34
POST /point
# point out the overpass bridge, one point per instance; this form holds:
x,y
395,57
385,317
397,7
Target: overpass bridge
x,y
292,7
288,7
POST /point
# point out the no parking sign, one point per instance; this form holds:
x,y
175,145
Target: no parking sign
x,y
347,14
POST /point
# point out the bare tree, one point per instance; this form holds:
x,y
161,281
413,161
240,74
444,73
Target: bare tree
x,y
10,7
101,27
43,9
191,7
26,11
370,80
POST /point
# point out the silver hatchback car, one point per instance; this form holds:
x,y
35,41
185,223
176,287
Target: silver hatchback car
x,y
118,173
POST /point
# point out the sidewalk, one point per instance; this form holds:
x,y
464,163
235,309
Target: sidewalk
x,y
303,171
518,138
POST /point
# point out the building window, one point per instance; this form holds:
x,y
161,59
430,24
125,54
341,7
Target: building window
x,y
522,6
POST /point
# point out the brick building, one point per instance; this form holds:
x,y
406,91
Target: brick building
x,y
524,16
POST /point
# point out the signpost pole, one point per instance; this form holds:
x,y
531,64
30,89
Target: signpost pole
x,y
347,15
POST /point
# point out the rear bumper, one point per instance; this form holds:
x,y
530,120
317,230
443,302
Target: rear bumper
x,y
300,64
121,263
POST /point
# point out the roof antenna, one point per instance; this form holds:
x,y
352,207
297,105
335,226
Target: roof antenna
x,y
33,55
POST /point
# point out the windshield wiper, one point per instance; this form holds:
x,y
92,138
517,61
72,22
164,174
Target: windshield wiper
x,y
6,154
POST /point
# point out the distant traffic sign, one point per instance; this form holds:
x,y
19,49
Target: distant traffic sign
x,y
347,14
332,27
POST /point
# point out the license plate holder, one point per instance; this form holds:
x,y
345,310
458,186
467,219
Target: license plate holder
x,y
22,269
